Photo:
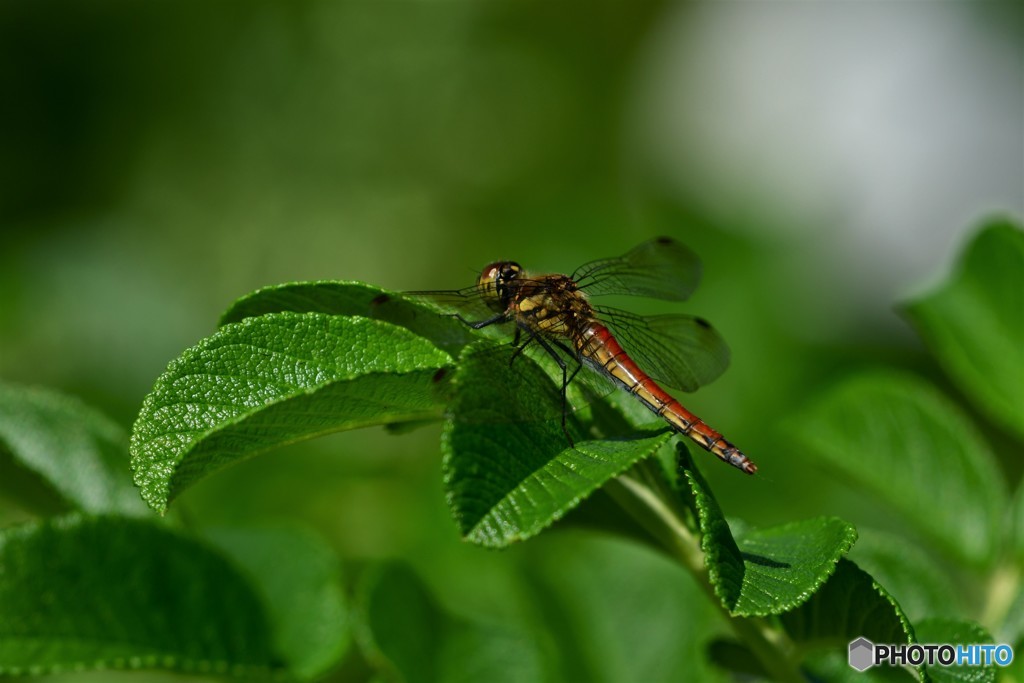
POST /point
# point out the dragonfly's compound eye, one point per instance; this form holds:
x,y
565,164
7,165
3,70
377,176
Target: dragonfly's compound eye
x,y
509,271
493,280
488,276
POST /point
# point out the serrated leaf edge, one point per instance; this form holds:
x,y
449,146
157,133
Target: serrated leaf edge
x,y
136,443
850,536
478,536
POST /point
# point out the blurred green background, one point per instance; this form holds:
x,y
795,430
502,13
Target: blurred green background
x,y
158,160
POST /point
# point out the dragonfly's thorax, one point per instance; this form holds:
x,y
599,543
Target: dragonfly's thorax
x,y
552,305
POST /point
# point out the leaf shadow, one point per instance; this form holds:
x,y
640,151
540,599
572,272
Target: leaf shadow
x,y
764,561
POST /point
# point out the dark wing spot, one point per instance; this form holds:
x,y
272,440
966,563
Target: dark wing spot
x,y
664,240
439,375
380,299
702,323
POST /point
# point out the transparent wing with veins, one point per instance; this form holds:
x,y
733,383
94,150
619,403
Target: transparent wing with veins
x,y
661,268
681,351
467,302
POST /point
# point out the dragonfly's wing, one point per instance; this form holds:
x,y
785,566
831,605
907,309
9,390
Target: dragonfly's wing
x,y
466,302
680,351
661,268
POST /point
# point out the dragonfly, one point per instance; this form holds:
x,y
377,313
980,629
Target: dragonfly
x,y
637,353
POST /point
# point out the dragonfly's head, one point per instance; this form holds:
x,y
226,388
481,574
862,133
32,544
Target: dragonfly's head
x,y
495,281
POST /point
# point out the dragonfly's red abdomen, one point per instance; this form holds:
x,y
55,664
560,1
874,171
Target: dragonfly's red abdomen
x,y
598,346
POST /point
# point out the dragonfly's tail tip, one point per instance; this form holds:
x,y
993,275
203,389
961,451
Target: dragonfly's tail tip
x,y
741,462
727,452
734,457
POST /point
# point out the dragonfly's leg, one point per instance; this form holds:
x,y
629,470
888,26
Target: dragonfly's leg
x,y
579,364
499,318
565,378
519,349
567,382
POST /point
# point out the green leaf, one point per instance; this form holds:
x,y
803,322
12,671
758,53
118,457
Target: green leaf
x,y
323,296
298,577
80,452
509,470
616,612
916,580
274,380
353,298
899,438
784,564
850,604
411,639
763,571
974,323
88,593
957,633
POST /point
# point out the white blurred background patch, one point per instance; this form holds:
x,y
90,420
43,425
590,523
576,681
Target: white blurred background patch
x,y
875,135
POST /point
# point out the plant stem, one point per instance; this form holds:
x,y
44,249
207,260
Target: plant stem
x,y
644,496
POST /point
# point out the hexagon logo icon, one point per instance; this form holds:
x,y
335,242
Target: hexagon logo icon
x,y
862,654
